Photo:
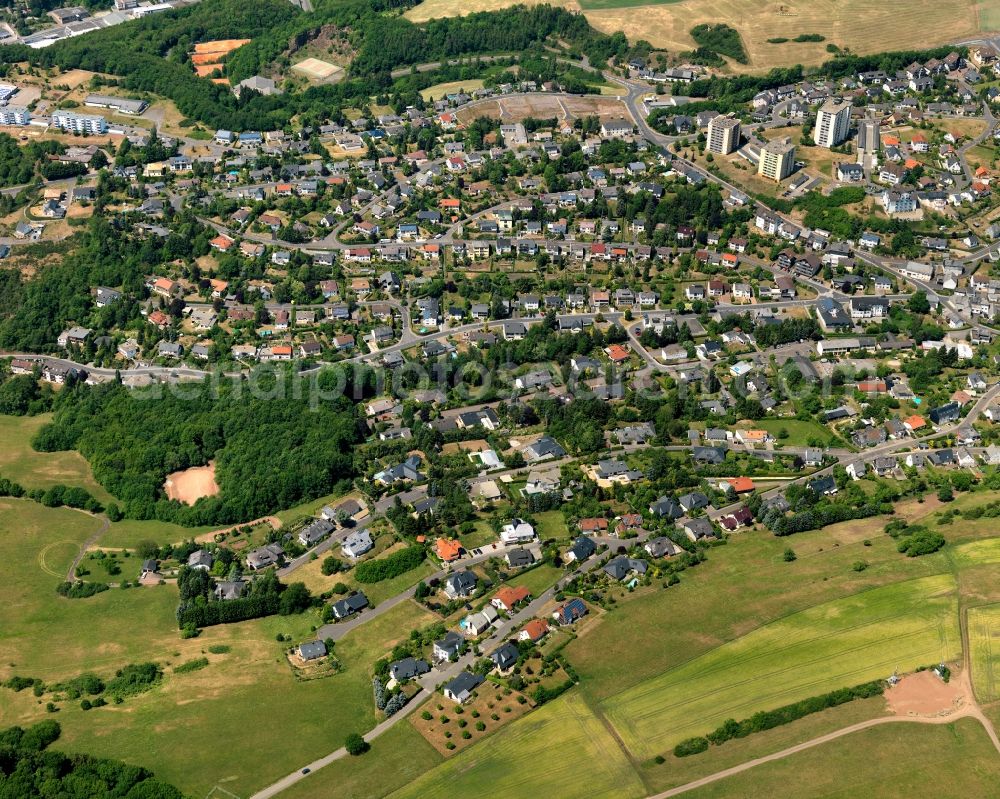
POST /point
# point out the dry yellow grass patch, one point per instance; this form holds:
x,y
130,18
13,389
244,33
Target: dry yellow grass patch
x,y
863,27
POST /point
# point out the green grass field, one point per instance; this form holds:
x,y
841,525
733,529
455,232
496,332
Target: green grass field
x,y
47,636
984,629
837,644
800,433
128,533
908,761
396,758
551,524
244,721
539,579
19,462
560,750
741,586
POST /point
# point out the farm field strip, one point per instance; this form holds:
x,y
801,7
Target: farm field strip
x,y
865,636
915,761
984,625
561,750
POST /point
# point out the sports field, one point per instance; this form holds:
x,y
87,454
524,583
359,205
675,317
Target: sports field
x,y
833,645
863,27
317,69
561,750
984,632
891,761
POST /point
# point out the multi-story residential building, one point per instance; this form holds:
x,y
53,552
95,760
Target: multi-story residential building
x,y
833,121
79,123
14,115
723,135
777,159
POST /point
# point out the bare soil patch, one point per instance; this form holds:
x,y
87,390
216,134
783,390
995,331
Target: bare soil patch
x,y
192,484
925,694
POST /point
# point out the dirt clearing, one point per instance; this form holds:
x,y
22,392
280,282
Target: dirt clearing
x,y
926,694
192,484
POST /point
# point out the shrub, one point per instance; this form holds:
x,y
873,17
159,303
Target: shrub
x,y
133,679
923,542
789,555
374,571
219,649
331,565
356,745
80,590
191,665
690,746
720,39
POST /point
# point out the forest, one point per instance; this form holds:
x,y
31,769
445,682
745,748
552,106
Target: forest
x,y
29,770
151,54
272,450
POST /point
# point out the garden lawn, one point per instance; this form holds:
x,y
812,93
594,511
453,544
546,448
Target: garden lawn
x,y
834,645
19,462
800,433
551,524
908,761
538,579
560,750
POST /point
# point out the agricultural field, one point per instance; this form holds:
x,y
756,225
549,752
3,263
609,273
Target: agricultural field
x,y
19,462
838,644
915,761
741,586
862,27
532,758
984,629
682,770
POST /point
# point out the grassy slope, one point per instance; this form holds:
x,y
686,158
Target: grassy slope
x,y
249,700
44,635
396,758
844,642
741,586
914,761
18,461
540,755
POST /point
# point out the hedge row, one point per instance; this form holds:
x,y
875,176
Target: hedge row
x,y
768,719
374,571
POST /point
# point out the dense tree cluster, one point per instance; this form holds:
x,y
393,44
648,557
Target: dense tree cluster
x,y
29,771
265,596
269,453
378,569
